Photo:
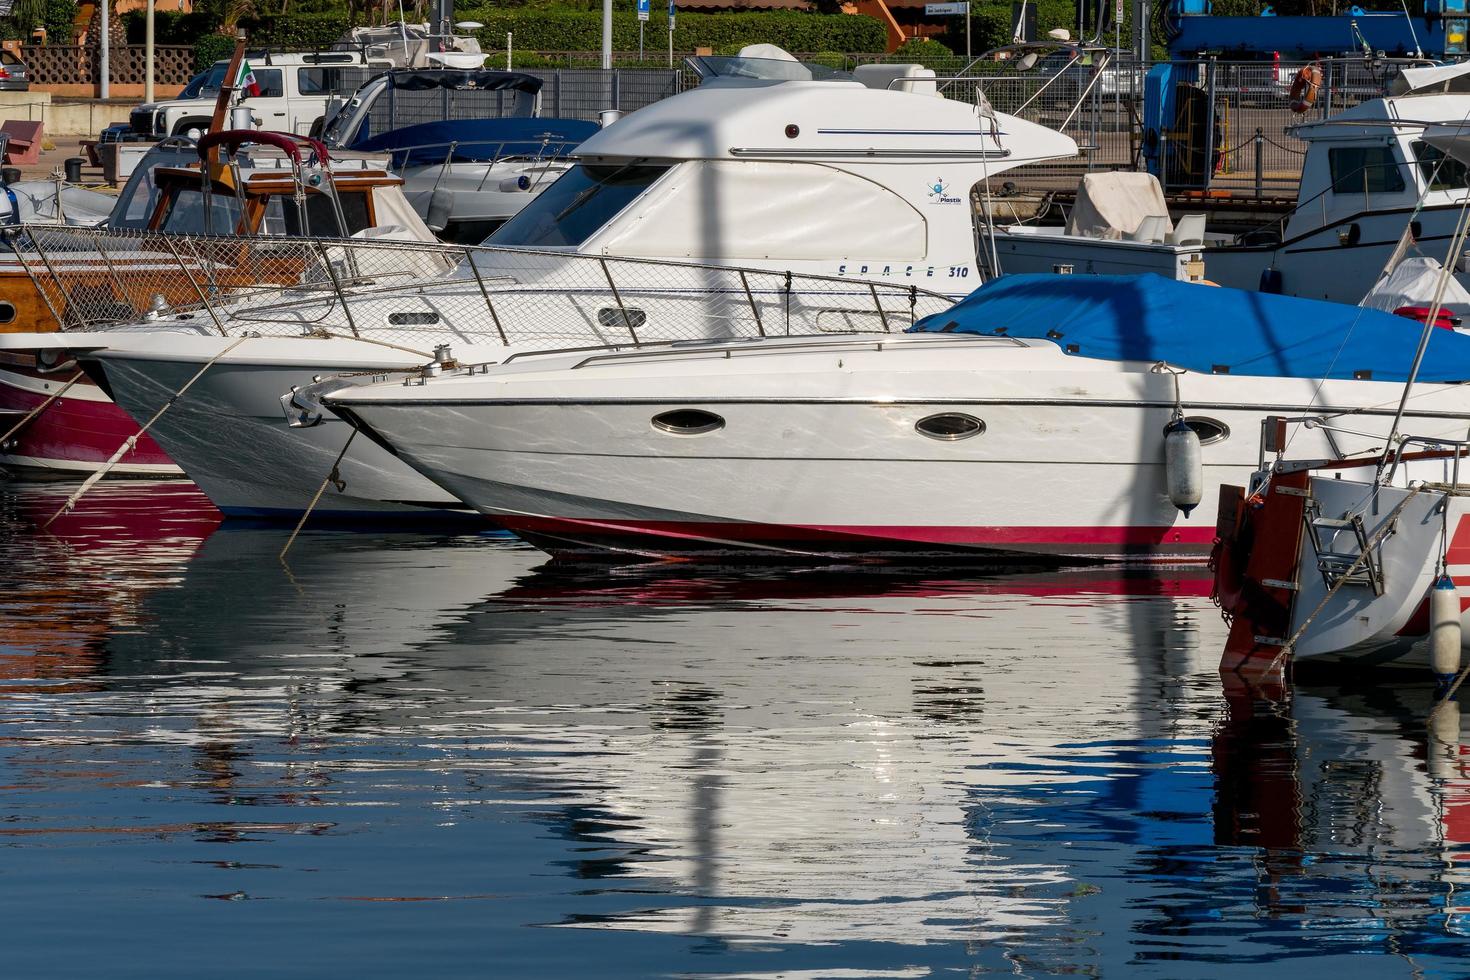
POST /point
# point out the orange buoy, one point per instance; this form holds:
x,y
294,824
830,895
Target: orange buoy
x,y
1304,88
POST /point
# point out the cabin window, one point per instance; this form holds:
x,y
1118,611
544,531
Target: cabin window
x,y
762,211
1364,170
688,422
950,426
281,217
1441,173
187,215
581,201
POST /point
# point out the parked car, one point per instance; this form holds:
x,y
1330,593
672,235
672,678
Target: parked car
x,y
295,90
14,75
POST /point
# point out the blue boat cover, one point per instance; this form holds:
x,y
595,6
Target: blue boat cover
x,y
1203,328
478,139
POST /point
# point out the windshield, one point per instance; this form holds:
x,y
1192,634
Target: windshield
x,y
773,69
139,197
210,82
195,86
581,201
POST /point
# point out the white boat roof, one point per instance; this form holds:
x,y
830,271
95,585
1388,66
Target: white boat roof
x,y
1396,112
730,118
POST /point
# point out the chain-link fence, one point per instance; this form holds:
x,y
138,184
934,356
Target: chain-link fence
x,y
417,295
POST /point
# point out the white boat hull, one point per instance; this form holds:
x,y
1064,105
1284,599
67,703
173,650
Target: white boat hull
x,y
816,462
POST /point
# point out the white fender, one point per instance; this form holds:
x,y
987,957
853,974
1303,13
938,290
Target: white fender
x,y
1183,466
1444,629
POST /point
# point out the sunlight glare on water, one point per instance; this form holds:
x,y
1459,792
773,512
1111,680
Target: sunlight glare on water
x,y
406,755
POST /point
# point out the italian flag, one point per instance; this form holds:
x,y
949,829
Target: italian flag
x,y
246,82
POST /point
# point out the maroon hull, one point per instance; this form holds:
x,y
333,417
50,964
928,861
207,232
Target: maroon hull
x,y
74,434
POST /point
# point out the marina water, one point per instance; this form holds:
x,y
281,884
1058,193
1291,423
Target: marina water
x,y
437,755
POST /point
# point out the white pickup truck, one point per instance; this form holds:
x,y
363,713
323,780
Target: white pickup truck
x,y
295,90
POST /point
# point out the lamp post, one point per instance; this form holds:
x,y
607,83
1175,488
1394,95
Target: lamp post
x,y
104,88
147,53
607,34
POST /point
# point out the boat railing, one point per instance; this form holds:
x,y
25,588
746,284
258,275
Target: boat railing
x,y
486,153
416,295
1275,436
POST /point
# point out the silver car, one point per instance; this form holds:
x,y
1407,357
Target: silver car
x,y
14,75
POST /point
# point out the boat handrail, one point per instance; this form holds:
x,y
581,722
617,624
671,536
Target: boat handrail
x,y
412,292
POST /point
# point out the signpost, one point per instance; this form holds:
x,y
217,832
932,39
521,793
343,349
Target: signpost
x,y
952,10
671,33
643,6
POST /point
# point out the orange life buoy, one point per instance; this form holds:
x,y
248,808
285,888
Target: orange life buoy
x,y
1304,88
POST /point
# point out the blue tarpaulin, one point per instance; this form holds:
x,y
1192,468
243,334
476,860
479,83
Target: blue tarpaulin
x,y
1203,328
460,140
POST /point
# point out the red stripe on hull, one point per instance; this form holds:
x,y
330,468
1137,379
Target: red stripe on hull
x,y
577,536
75,430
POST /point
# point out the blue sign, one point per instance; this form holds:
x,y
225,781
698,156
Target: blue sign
x,y
671,15
643,6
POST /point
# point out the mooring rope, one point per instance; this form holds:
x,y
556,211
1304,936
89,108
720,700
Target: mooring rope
x,y
40,408
332,476
131,442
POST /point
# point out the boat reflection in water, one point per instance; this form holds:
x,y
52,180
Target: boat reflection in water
x,y
724,773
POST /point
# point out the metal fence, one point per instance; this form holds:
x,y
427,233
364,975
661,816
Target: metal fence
x,y
582,93
418,295
1230,130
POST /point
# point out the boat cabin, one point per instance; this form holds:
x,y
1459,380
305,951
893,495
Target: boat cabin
x,y
770,163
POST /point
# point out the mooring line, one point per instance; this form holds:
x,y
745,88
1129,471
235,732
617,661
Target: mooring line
x,y
40,408
131,442
332,475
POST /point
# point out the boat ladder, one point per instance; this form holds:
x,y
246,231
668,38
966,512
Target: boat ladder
x,y
1336,563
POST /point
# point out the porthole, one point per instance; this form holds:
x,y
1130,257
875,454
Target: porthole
x,y
1209,430
7,312
688,421
612,316
413,318
950,426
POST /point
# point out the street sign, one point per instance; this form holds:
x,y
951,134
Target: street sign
x,y
643,6
946,9
671,16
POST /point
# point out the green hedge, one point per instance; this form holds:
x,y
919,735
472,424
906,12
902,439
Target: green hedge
x,y
305,31
211,48
560,30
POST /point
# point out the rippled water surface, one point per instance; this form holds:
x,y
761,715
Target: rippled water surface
x,y
407,755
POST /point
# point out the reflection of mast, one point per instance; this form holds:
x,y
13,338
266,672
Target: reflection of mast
x,y
695,709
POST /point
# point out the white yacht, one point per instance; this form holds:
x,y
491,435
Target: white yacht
x,y
1371,173
745,207
1027,424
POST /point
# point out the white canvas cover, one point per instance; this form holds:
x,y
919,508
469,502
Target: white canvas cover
x,y
393,210
1412,283
1448,78
1113,205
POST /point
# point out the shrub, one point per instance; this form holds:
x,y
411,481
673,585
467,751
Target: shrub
x,y
211,48
300,31
564,30
922,51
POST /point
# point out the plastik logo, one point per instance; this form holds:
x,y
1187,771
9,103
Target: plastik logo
x,y
939,193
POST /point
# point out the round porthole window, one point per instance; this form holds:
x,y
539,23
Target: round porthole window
x,y
7,312
688,421
950,426
1209,430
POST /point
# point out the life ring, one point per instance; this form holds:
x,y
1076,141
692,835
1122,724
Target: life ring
x,y
1304,88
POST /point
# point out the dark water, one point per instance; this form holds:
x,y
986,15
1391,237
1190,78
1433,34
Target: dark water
x,y
404,755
